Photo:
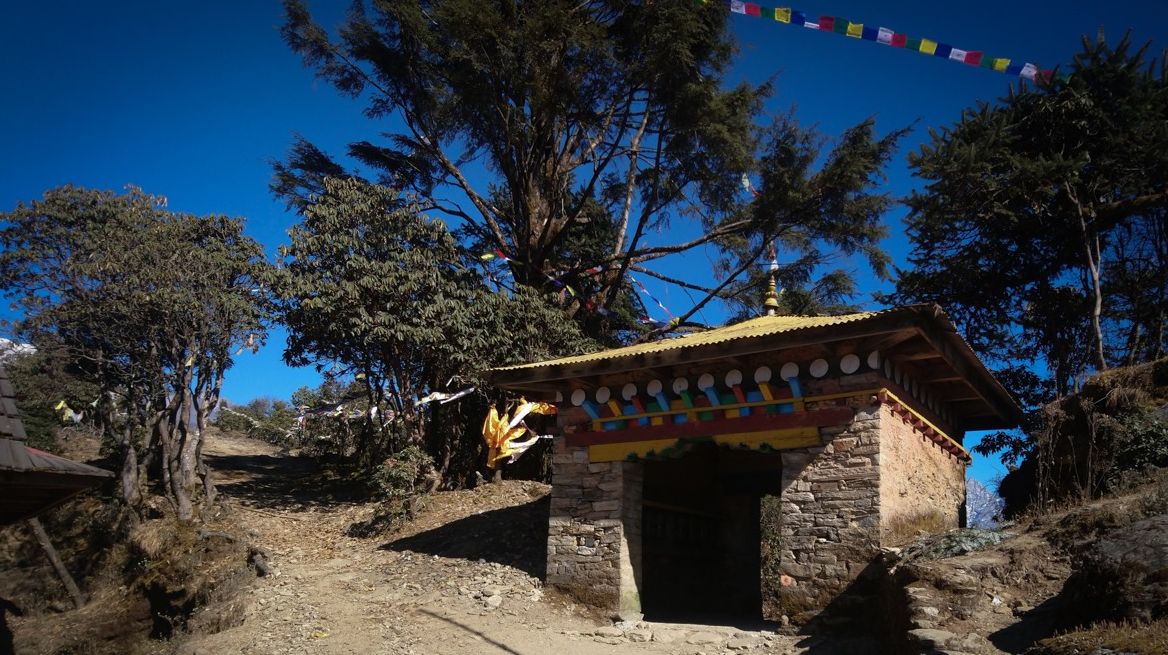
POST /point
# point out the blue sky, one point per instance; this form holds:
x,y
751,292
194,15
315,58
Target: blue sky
x,y
193,101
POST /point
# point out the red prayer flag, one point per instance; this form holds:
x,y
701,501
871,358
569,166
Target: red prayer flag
x,y
753,9
898,40
826,23
973,57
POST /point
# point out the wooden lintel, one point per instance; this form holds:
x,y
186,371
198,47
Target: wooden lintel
x,y
816,418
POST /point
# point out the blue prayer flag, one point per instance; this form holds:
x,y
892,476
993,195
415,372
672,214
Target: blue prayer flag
x,y
870,33
943,50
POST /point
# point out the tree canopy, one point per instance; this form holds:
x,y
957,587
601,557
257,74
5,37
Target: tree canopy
x,y
1041,227
370,288
569,135
145,304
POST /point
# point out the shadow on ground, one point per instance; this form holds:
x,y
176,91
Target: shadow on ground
x,y
283,482
513,536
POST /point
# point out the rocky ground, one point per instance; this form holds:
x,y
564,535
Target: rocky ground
x,y
460,578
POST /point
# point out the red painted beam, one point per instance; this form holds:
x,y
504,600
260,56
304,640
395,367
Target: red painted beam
x,y
815,418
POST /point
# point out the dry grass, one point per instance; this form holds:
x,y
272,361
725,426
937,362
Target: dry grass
x,y
904,529
1139,639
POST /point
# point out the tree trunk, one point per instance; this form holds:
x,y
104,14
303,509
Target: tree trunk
x,y
1091,247
42,538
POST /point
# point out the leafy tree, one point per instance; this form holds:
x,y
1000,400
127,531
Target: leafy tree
x,y
42,380
1041,228
371,290
565,134
147,305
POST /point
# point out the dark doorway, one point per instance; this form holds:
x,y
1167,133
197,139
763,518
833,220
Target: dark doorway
x,y
701,558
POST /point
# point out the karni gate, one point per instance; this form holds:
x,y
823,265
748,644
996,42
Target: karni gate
x,y
755,470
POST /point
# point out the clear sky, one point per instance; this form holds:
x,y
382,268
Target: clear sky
x,y
193,100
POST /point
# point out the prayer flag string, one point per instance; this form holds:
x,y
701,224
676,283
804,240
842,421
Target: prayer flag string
x,y
888,37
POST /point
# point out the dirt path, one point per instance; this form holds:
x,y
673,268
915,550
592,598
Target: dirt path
x,y
462,578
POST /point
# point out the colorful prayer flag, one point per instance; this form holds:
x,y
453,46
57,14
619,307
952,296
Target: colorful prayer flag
x,y
957,54
753,10
1029,71
783,14
884,35
870,34
899,40
826,23
798,18
855,30
974,57
1001,64
943,50
737,7
841,26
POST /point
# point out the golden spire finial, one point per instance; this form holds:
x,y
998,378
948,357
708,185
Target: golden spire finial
x,y
771,304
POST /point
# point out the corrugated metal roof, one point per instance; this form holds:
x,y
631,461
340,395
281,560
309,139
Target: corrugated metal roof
x,y
16,456
10,425
755,327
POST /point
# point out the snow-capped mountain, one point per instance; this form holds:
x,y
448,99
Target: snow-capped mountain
x,y
983,508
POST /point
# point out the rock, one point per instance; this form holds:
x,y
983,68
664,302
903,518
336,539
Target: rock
x,y
698,638
741,643
608,631
667,636
639,635
612,641
1125,574
953,543
973,643
493,602
931,637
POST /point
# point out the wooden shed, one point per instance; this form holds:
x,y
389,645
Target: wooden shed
x,y
32,480
756,469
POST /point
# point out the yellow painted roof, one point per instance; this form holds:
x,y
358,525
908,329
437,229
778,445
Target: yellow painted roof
x,y
755,327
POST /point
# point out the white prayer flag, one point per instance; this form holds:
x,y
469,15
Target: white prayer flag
x,y
738,7
1029,71
956,54
884,35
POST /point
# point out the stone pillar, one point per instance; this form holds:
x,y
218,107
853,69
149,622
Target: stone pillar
x,y
594,530
830,512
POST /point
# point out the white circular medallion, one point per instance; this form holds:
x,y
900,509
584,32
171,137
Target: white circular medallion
x,y
789,370
705,381
680,384
818,368
733,377
629,391
654,387
578,396
874,360
849,364
762,374
603,394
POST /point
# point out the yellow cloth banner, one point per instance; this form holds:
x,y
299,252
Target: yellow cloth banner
x,y
783,14
1000,65
855,30
928,47
501,430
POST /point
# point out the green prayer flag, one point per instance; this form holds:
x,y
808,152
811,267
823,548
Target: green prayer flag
x,y
841,26
913,44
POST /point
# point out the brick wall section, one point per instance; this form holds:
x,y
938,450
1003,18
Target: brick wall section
x,y
921,485
830,511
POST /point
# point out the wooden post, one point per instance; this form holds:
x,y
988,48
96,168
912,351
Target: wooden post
x,y
42,538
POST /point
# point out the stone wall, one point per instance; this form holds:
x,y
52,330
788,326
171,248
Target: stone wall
x,y
595,514
922,487
829,512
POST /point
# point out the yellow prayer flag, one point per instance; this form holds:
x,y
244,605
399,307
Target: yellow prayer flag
x,y
1000,65
855,30
783,14
61,405
928,46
